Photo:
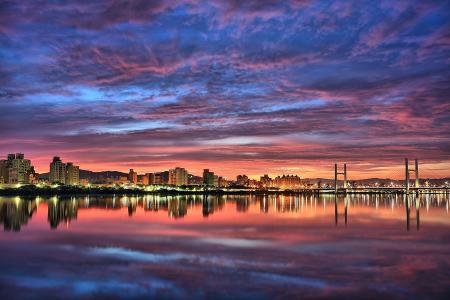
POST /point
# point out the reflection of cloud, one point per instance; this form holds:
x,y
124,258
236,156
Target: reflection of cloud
x,y
132,255
155,258
302,255
271,278
84,287
239,243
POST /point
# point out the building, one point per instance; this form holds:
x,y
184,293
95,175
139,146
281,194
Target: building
x,y
208,177
222,182
4,172
288,182
132,176
266,181
57,171
161,177
20,169
158,178
150,178
16,169
33,176
178,176
242,180
64,173
72,174
195,180
143,179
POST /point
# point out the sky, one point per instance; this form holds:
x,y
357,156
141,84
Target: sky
x,y
240,87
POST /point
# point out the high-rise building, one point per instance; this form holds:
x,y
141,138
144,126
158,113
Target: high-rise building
x,y
16,169
208,178
288,181
132,176
19,168
150,178
242,180
178,176
4,172
33,176
158,179
57,171
64,173
222,182
72,174
266,181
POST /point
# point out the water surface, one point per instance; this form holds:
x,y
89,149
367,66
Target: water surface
x,y
225,247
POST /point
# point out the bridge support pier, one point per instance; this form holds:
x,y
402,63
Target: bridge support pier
x,y
336,173
416,177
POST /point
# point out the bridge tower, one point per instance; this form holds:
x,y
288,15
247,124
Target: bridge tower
x,y
407,174
336,173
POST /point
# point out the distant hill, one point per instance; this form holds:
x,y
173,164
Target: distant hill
x,y
371,181
98,176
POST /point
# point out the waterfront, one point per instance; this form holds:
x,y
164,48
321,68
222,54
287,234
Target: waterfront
x,y
230,246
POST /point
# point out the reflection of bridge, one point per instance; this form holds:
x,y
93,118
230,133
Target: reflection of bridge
x,y
380,190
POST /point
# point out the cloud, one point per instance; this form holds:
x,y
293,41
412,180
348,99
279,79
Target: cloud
x,y
224,83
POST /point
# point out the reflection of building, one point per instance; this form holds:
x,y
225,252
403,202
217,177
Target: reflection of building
x,y
64,210
15,214
178,176
264,204
16,169
177,208
242,204
211,204
131,208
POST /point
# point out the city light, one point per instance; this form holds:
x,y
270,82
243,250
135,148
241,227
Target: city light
x,y
66,176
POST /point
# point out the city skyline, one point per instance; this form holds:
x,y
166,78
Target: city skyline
x,y
15,169
252,87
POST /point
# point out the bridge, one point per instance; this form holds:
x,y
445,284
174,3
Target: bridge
x,y
405,189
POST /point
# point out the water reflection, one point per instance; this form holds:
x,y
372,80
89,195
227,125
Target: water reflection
x,y
61,210
16,212
260,247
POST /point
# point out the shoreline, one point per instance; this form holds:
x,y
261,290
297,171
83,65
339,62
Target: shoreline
x,y
31,190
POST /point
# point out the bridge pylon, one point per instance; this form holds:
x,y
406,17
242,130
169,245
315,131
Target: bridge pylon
x,y
407,174
336,173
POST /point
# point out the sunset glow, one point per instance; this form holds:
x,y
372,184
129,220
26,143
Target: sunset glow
x,y
239,87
